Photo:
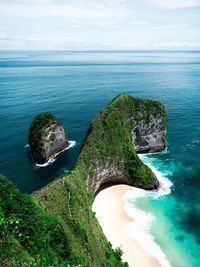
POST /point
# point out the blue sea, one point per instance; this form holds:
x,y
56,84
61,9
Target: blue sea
x,y
77,85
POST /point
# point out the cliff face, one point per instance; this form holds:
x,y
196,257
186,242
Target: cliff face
x,y
46,137
149,136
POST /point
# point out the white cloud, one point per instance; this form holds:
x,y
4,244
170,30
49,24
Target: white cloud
x,y
176,45
192,45
104,24
2,37
71,10
171,4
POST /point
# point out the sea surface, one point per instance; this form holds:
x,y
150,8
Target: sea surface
x,y
77,85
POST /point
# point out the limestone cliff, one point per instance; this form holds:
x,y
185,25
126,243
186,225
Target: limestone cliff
x,y
149,136
125,126
46,137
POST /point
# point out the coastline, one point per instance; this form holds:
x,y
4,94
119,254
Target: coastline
x,y
128,227
109,208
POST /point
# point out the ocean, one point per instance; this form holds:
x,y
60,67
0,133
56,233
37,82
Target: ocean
x,y
77,85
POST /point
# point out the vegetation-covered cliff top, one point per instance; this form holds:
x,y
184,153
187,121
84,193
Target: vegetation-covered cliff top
x,y
63,228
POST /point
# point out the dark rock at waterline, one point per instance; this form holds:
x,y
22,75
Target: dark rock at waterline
x,y
47,137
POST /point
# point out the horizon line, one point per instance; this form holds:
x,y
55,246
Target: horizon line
x,y
101,50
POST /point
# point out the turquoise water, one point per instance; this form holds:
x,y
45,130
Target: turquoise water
x,y
75,86
175,226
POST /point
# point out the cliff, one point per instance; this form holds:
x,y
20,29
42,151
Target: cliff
x,y
148,135
61,211
125,126
47,137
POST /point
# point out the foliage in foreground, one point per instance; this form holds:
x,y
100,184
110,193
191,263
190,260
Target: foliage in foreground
x,y
31,236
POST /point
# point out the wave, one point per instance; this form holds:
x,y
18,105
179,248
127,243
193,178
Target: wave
x,y
140,228
164,183
49,162
27,146
53,159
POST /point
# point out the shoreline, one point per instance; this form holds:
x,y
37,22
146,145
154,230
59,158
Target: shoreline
x,y
109,208
128,227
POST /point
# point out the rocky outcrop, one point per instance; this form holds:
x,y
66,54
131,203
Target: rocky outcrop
x,y
108,175
149,136
125,127
47,137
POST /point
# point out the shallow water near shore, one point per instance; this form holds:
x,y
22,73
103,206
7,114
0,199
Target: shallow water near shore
x,y
77,85
140,229
155,228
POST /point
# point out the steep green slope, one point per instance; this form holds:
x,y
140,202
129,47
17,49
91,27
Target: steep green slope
x,y
31,236
27,231
107,157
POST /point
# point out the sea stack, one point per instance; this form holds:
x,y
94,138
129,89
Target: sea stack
x,y
47,137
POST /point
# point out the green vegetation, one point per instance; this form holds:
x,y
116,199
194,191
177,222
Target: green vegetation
x,y
28,229
56,226
53,137
31,236
39,123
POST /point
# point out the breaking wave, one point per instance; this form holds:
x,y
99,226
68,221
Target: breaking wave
x,y
53,159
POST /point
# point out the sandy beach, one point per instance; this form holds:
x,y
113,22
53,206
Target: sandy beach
x,y
108,206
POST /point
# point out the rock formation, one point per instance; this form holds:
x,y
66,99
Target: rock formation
x,y
125,127
149,136
47,137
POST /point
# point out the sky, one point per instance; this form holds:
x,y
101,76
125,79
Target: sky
x,y
99,24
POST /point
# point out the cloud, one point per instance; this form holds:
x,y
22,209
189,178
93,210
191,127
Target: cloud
x,y
44,42
70,10
192,45
2,37
105,24
176,45
172,4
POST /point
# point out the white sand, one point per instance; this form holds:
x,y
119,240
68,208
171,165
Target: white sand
x,y
108,206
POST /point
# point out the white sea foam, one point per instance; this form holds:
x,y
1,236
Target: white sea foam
x,y
53,159
27,146
140,228
49,162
